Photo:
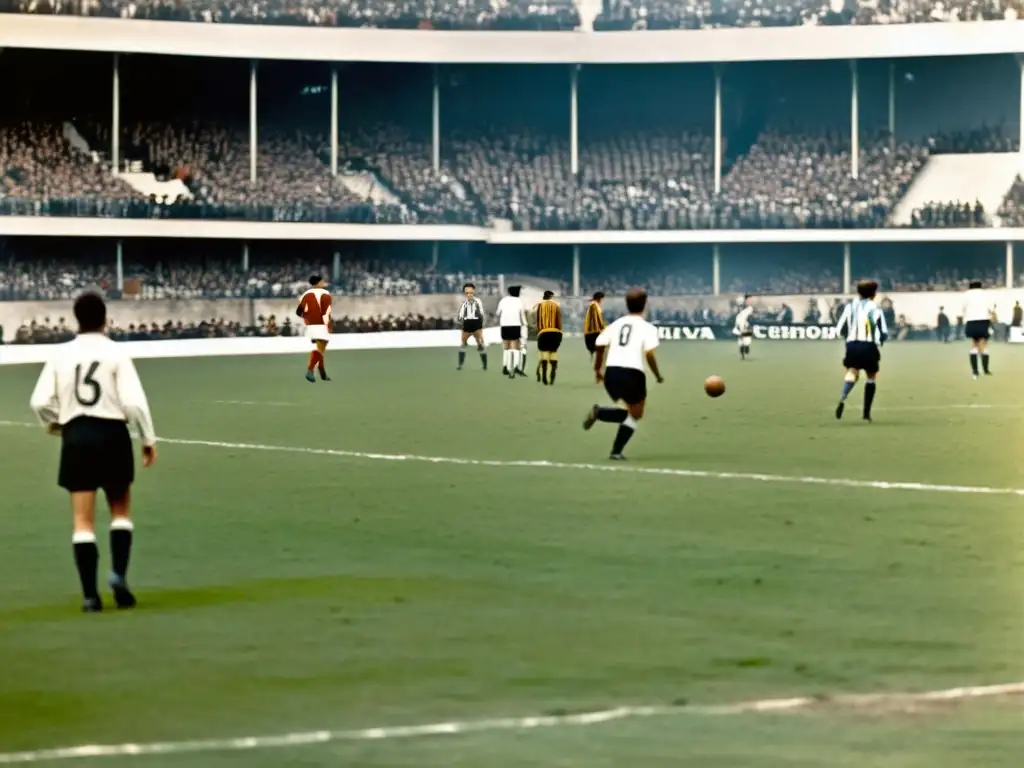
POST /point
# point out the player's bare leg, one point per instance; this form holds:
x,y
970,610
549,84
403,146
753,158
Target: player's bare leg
x,y
121,536
321,348
481,348
628,426
87,554
314,358
462,349
869,394
983,350
849,382
506,357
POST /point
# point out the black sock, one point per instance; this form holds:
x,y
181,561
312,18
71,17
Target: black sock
x,y
87,558
483,357
462,357
121,535
612,415
869,398
984,362
625,432
544,371
743,352
554,370
974,363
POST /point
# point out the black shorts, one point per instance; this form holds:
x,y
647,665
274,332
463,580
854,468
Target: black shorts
x,y
626,384
511,333
978,330
96,453
549,341
862,356
590,340
472,326
747,335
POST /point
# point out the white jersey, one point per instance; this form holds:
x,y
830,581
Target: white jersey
x,y
92,376
471,309
511,312
743,321
628,339
862,320
977,305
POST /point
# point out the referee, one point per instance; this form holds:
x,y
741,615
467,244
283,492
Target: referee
x,y
87,394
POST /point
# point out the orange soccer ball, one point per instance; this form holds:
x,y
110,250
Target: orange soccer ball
x,y
714,386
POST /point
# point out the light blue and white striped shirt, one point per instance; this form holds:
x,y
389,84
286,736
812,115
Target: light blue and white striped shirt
x,y
862,320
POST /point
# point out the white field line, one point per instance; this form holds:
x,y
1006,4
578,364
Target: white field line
x,y
883,408
756,477
462,727
271,404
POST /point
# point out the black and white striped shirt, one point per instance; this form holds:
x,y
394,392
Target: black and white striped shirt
x,y
471,309
862,320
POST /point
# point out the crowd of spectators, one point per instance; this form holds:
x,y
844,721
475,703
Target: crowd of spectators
x,y
640,180
49,331
528,14
937,215
50,280
1012,211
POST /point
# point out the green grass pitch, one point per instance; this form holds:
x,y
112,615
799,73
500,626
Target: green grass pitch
x,y
283,591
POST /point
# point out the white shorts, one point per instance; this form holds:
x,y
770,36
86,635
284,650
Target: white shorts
x,y
318,333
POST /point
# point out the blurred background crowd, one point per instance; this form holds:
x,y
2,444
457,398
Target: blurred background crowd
x,y
645,159
606,15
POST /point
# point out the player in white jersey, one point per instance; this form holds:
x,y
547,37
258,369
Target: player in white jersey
x,y
627,344
744,328
978,325
862,324
471,318
87,393
511,317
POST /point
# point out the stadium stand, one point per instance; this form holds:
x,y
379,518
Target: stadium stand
x,y
524,14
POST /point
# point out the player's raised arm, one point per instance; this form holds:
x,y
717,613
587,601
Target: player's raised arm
x,y
134,401
44,400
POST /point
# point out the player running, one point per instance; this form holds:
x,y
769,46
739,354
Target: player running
x,y
87,393
862,324
471,316
743,328
511,318
593,323
549,337
315,309
978,325
626,343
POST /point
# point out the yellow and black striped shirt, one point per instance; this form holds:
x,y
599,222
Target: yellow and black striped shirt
x,y
549,317
594,321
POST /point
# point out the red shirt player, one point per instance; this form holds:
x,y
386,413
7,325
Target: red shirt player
x,y
315,310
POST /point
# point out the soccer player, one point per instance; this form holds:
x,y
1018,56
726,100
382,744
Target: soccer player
x,y
626,343
743,328
978,325
549,337
593,322
86,394
315,309
471,315
511,318
862,324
